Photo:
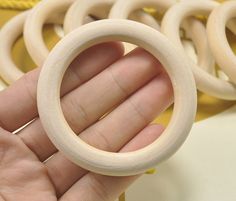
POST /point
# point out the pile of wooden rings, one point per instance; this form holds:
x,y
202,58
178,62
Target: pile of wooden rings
x,y
161,38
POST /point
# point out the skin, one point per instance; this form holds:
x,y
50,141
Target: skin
x,y
31,168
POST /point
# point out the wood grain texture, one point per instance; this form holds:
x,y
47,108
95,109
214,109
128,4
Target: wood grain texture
x,y
86,156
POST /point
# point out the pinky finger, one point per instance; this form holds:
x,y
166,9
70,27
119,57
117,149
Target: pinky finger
x,y
106,188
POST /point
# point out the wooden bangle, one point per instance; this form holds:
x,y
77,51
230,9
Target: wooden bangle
x,y
195,29
170,27
221,49
79,9
86,156
34,25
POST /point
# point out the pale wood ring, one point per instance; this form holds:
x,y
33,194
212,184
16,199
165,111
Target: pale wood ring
x,y
86,156
79,9
8,35
34,24
221,49
170,27
196,31
100,9
194,28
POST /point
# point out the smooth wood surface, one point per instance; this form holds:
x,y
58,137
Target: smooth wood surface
x,y
119,164
122,9
196,31
79,9
8,35
221,49
34,25
206,82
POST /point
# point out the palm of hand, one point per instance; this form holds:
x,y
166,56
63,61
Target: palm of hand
x,y
22,175
31,168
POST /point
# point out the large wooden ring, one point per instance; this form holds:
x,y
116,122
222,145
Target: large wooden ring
x,y
86,156
194,28
221,49
79,9
170,27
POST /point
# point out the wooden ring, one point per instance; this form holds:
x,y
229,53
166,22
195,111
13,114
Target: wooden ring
x,y
194,28
170,27
196,31
86,156
123,8
79,9
34,25
221,49
8,35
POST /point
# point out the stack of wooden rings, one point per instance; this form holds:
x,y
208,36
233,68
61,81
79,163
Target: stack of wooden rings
x,y
161,38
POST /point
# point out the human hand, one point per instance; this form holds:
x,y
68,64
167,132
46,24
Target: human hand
x,y
132,89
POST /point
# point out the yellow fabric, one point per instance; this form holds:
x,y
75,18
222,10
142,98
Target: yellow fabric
x,y
151,171
122,197
18,4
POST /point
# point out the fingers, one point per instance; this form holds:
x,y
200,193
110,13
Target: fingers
x,y
105,188
86,104
18,102
129,118
116,129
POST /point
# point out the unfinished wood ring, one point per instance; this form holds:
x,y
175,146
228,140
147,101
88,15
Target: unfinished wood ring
x,y
221,49
195,29
8,35
86,156
100,9
206,82
79,9
34,25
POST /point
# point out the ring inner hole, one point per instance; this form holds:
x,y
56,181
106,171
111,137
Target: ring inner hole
x,y
103,86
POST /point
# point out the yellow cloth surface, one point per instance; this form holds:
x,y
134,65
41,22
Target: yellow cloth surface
x,y
18,4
